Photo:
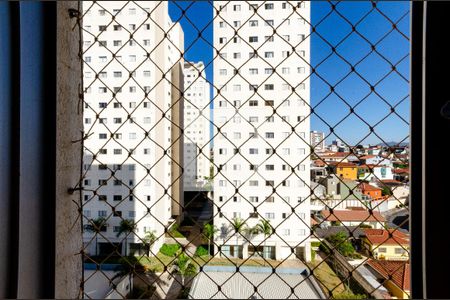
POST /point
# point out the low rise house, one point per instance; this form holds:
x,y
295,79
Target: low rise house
x,y
386,244
372,191
401,175
344,170
373,172
395,276
376,160
354,217
317,172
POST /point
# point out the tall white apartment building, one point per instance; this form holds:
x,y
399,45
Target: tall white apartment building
x,y
262,147
133,78
318,141
196,127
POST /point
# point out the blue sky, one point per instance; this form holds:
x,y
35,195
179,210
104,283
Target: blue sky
x,y
373,25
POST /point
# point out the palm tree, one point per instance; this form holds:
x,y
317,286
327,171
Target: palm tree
x,y
184,267
239,226
149,239
126,226
96,226
265,228
209,231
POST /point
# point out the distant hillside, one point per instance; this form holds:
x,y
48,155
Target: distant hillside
x,y
391,144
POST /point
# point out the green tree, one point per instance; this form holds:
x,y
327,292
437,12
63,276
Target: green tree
x,y
265,228
184,266
386,191
149,239
341,243
209,231
96,226
126,226
239,226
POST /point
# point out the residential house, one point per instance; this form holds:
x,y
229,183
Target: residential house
x,y
370,190
395,276
401,175
344,170
373,150
386,244
334,156
318,171
340,193
353,217
373,172
375,160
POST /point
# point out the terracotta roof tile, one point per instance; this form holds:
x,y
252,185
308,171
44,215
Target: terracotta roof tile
x,y
381,236
399,271
343,164
367,156
353,215
367,187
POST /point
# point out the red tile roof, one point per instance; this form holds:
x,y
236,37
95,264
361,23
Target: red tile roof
x,y
336,154
319,163
401,171
367,156
367,187
342,164
353,215
399,271
381,236
390,181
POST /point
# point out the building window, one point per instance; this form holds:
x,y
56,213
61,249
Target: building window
x,y
253,23
268,6
268,54
253,39
236,8
270,199
253,183
253,151
270,216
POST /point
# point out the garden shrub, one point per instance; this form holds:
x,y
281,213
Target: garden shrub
x,y
170,249
201,251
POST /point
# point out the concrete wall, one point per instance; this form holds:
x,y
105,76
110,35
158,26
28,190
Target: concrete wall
x,y
68,266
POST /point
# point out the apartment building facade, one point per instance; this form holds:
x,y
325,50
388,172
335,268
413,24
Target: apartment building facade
x,y
133,81
262,135
197,112
318,141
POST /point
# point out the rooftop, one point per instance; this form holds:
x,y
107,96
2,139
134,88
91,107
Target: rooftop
x,y
354,231
386,237
399,270
343,164
367,187
241,284
352,215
